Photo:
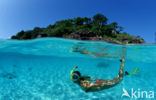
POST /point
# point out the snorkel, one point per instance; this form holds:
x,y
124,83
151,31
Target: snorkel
x,y
72,72
134,71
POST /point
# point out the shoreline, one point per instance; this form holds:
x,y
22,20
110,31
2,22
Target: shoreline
x,y
110,41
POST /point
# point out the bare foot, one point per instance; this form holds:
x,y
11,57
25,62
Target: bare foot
x,y
122,60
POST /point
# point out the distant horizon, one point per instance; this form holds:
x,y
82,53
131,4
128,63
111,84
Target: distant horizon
x,y
137,17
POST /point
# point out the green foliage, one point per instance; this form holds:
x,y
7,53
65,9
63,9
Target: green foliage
x,y
97,24
99,19
20,34
79,21
87,20
13,37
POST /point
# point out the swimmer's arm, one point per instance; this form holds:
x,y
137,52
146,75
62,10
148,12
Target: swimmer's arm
x,y
89,78
91,87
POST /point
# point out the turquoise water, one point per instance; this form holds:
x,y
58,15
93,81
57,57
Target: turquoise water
x,y
40,69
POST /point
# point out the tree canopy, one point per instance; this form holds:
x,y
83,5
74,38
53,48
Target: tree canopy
x,y
98,25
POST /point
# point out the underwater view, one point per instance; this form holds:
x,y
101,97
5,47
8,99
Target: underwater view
x,y
40,69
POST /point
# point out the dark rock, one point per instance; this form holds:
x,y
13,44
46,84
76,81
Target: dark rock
x,y
86,34
137,41
112,41
102,65
42,35
74,36
95,38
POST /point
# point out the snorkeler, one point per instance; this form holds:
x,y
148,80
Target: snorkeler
x,y
93,85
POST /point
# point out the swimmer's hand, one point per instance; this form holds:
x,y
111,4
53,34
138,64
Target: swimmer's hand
x,y
76,67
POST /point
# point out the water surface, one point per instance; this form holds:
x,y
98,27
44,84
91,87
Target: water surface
x,y
40,69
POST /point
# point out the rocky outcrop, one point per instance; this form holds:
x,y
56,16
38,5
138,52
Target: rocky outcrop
x,y
84,35
112,41
74,36
137,41
133,40
42,35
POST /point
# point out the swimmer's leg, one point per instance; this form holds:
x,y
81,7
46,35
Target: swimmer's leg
x,y
121,71
119,78
121,74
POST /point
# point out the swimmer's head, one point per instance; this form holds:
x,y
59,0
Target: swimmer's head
x,y
76,76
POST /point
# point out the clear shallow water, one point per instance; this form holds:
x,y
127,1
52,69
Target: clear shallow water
x,y
40,69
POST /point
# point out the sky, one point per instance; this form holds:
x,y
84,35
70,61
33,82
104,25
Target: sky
x,y
138,17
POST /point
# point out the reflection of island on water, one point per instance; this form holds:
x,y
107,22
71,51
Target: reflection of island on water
x,y
102,65
97,51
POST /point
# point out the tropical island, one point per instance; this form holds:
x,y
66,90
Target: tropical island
x,y
96,28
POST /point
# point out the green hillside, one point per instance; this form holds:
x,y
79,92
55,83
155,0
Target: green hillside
x,y
82,28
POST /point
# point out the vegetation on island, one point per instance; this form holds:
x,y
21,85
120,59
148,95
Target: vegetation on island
x,y
97,26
